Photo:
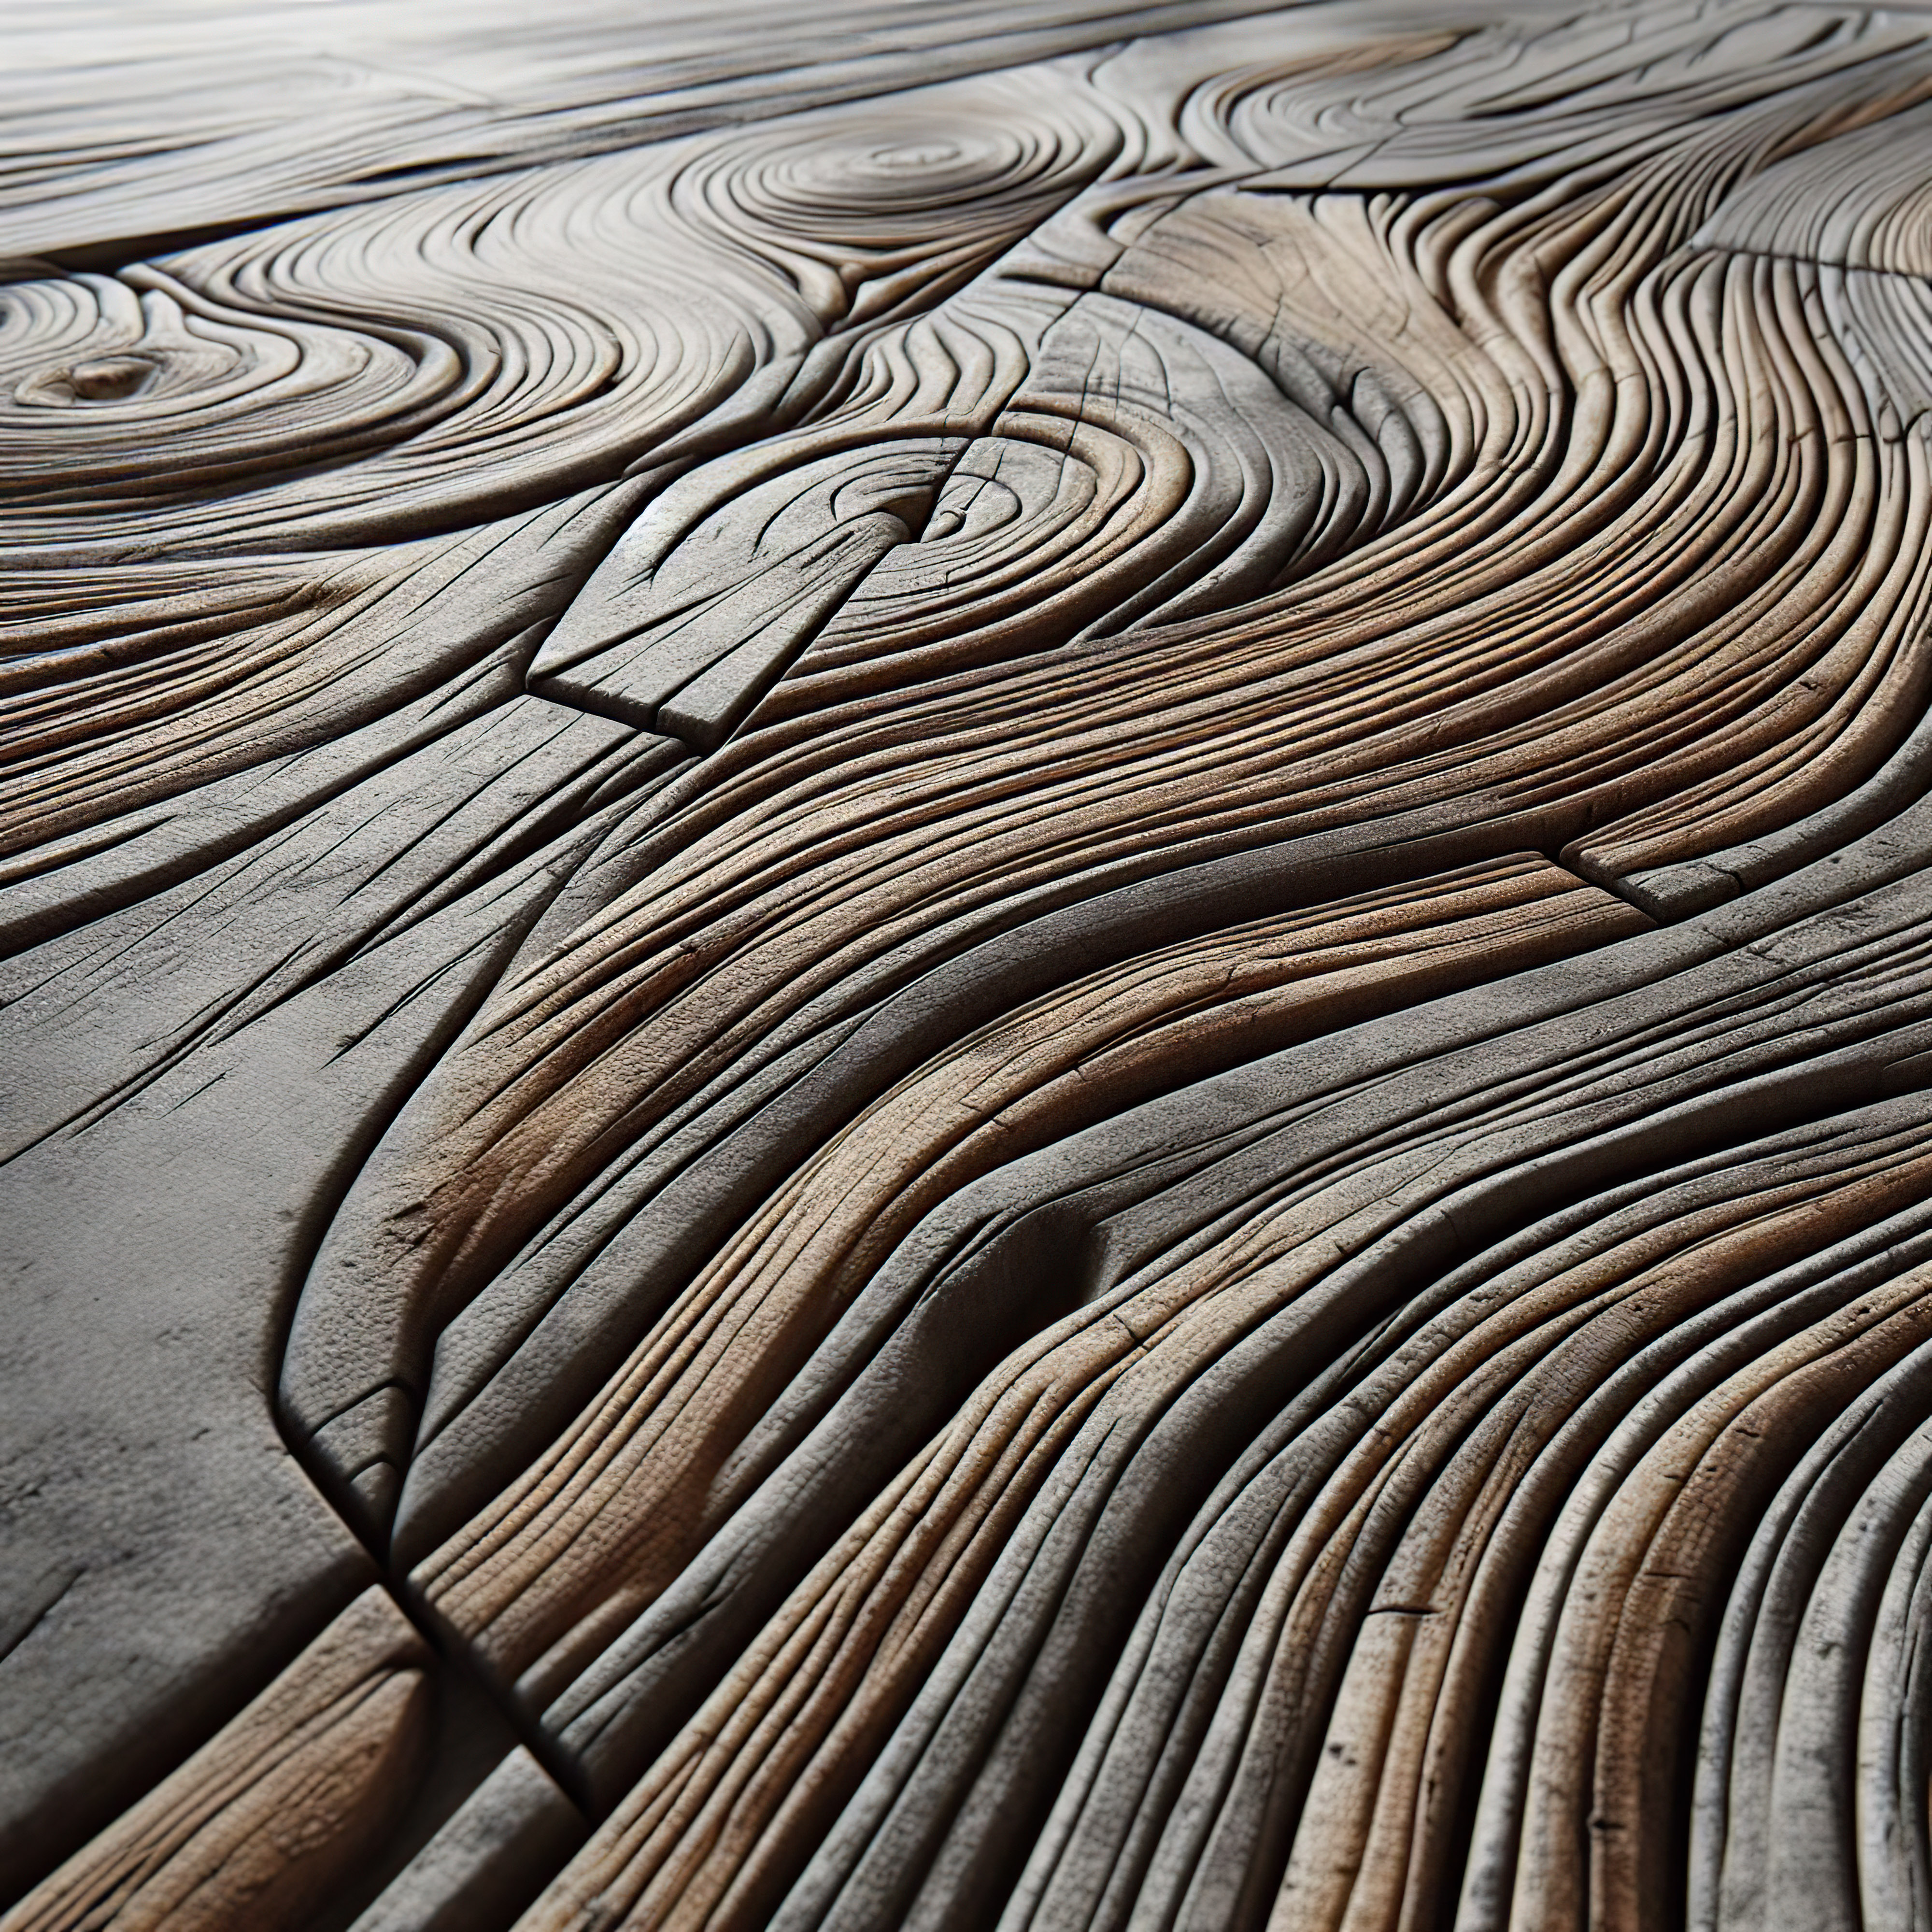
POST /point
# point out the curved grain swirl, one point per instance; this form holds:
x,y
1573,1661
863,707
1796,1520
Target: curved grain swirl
x,y
1645,600
1152,829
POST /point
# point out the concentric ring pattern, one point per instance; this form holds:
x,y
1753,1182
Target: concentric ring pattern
x,y
1006,1008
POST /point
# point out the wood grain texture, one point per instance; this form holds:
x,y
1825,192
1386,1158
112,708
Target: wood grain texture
x,y
273,1809
968,968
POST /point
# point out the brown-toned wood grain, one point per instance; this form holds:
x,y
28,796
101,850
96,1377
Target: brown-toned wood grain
x,y
982,955
278,1807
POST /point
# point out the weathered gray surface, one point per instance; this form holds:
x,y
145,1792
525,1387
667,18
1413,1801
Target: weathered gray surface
x,y
966,967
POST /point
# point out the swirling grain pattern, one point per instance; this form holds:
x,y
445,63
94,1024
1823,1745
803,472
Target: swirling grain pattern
x,y
970,968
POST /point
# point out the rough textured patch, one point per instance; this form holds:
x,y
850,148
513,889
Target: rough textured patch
x,y
967,967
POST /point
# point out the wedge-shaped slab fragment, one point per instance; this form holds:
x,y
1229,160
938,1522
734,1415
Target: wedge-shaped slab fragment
x,y
703,604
